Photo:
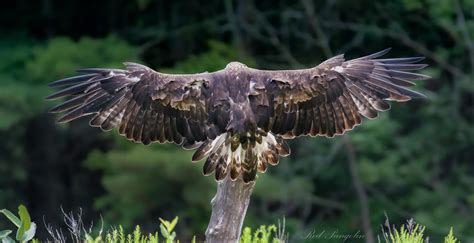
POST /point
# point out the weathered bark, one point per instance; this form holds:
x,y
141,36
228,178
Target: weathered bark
x,y
229,207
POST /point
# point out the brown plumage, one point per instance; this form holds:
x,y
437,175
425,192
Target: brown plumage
x,y
238,117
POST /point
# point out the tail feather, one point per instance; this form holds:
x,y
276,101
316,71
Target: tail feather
x,y
209,165
272,155
237,156
202,151
221,169
235,169
249,166
262,165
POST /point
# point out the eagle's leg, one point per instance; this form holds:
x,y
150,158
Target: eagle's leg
x,y
229,207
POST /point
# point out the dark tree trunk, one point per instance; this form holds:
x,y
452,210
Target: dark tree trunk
x,y
229,206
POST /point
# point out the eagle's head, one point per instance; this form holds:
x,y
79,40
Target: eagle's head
x,y
235,66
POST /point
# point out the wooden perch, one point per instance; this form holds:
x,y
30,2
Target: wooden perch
x,y
229,207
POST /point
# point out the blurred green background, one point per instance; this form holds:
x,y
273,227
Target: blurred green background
x,y
415,161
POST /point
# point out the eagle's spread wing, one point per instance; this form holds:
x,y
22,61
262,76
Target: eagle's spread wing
x,y
238,116
328,99
147,106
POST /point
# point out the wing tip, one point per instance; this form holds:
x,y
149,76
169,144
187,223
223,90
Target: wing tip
x,y
98,71
418,95
71,80
385,51
54,109
63,120
376,54
53,84
52,97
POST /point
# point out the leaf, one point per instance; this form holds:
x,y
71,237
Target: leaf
x,y
166,223
173,224
24,216
14,219
20,232
172,236
30,233
450,237
164,231
25,224
98,239
8,240
4,233
89,238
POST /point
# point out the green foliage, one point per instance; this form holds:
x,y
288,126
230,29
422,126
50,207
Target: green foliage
x,y
414,235
10,216
5,233
118,236
26,229
411,233
166,229
407,233
450,237
165,234
263,234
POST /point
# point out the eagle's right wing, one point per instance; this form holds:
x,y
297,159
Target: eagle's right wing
x,y
147,106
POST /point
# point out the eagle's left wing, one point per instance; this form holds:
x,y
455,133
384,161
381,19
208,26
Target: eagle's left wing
x,y
329,98
145,105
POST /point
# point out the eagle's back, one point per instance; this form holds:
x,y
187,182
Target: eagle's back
x,y
236,106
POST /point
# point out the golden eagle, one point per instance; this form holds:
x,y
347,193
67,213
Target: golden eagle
x,y
238,117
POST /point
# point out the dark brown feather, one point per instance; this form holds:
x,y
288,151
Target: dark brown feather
x,y
202,151
235,169
221,169
249,166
